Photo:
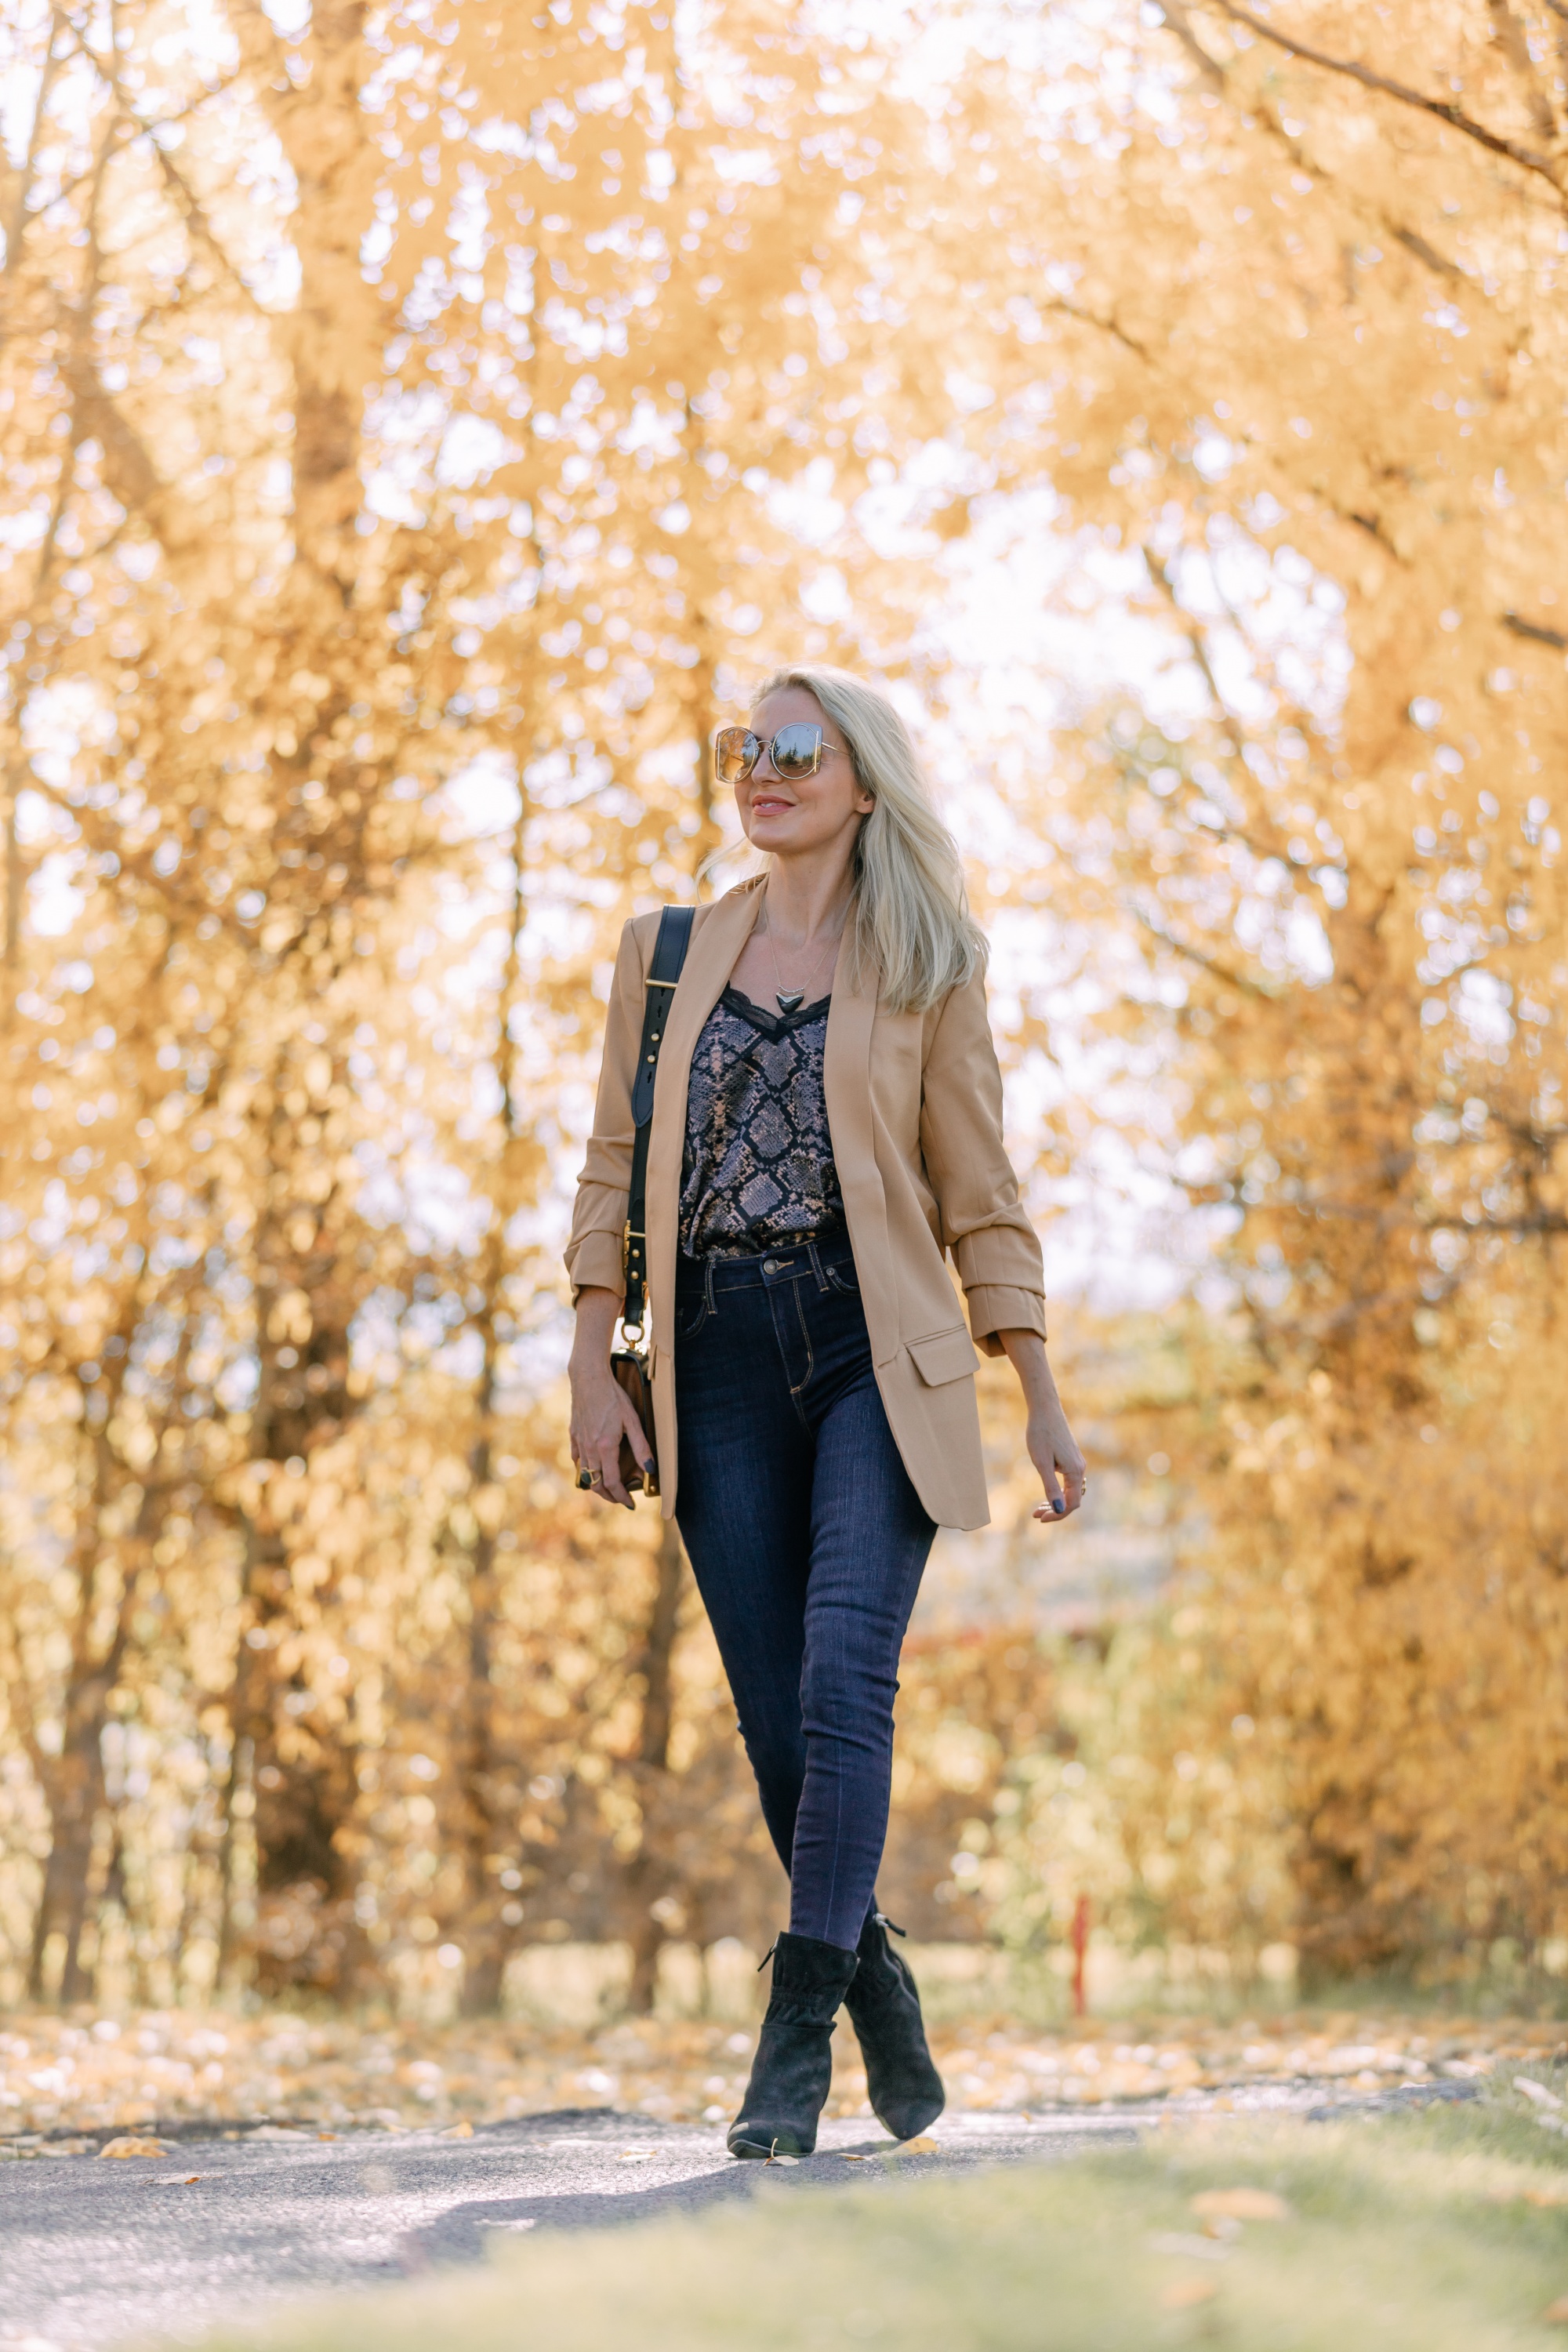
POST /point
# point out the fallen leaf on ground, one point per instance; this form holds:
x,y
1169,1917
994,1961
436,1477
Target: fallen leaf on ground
x,y
923,2146
65,2147
132,2146
1240,2205
335,2134
348,2074
1182,2293
174,2180
277,2131
1556,2314
463,2129
1536,2092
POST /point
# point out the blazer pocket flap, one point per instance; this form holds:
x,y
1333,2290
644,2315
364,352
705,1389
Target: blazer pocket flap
x,y
944,1356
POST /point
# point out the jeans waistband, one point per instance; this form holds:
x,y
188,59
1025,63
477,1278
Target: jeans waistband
x,y
767,1267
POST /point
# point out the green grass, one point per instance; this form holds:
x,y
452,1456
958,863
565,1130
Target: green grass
x,y
1409,2233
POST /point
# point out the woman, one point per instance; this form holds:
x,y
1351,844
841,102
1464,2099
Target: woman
x,y
827,1126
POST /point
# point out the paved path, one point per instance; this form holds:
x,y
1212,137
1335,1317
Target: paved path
x,y
94,2250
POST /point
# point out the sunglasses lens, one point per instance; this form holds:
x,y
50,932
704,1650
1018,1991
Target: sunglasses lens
x,y
797,750
736,751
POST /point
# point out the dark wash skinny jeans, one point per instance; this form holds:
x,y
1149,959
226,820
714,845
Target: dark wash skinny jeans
x,y
808,1542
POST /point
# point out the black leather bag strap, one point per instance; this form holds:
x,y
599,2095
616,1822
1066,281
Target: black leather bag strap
x,y
673,939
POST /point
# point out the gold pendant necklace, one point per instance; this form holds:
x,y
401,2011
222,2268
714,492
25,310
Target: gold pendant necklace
x,y
789,999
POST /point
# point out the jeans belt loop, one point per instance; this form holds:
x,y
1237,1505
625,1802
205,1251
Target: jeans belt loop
x,y
816,1267
710,1302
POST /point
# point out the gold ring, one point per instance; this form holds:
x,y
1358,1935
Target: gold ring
x,y
584,1479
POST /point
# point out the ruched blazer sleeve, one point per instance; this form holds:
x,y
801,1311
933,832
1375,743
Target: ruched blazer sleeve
x,y
914,1108
983,1222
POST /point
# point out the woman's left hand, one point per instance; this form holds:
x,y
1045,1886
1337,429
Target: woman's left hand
x,y
1053,1450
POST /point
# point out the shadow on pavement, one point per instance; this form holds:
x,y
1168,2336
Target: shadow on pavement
x,y
463,2232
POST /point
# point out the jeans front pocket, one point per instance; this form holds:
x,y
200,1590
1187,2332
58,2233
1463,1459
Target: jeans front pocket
x,y
843,1278
691,1313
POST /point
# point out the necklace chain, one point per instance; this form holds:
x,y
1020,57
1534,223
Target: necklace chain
x,y
789,999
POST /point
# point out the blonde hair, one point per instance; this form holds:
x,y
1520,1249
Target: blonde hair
x,y
910,915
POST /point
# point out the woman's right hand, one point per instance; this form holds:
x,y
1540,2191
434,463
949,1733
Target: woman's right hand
x,y
602,1412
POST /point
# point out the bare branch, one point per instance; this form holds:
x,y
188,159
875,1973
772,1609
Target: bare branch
x,y
1106,326
44,568
1160,573
135,127
129,471
201,229
1516,49
1535,633
1180,23
16,226
1444,110
1211,964
1372,526
13,880
1427,254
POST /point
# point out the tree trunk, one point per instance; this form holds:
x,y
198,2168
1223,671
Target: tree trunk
x,y
486,1938
648,1874
73,1781
484,1934
74,1792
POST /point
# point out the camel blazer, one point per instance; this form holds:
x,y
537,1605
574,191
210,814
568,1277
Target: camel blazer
x,y
914,1110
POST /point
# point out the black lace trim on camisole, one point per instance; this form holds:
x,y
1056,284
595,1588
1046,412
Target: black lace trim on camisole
x,y
758,1169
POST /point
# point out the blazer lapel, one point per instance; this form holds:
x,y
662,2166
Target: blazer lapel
x,y
847,1085
718,936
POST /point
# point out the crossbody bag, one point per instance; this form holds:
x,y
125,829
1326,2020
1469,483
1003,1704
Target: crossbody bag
x,y
632,1364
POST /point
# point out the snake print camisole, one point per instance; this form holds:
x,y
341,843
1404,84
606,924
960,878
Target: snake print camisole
x,y
758,1169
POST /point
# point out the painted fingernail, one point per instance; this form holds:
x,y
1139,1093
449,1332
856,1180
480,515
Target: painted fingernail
x,y
1059,1506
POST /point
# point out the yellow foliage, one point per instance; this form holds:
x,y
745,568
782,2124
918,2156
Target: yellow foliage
x,y
417,432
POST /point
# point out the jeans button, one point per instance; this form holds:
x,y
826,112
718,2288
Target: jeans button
x,y
770,1266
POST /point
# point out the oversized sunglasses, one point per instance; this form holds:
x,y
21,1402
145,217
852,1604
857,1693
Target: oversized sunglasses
x,y
796,751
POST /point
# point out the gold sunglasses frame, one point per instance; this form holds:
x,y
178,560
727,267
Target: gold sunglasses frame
x,y
765,743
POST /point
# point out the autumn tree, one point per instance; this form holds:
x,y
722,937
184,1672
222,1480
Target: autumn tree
x,y
1300,368
399,524
420,427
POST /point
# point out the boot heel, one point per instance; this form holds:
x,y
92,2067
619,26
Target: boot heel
x,y
901,2079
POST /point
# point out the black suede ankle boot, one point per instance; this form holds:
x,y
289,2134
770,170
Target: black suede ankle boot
x,y
794,2065
905,2088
